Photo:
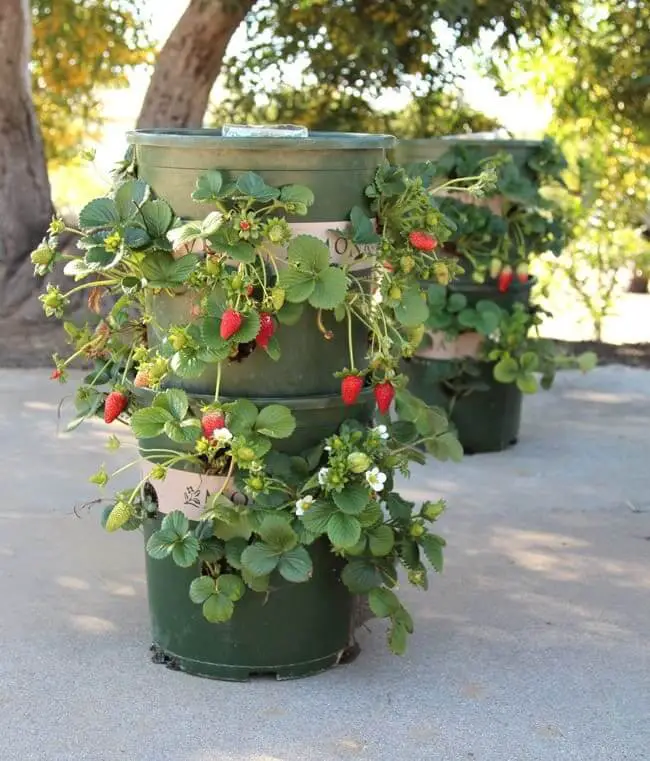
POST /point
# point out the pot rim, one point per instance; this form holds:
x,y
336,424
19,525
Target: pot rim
x,y
212,138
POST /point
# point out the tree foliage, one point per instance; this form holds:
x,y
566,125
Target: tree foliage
x,y
363,48
322,107
79,47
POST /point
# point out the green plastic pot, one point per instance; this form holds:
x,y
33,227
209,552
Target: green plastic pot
x,y
486,420
317,417
307,363
294,631
337,167
432,149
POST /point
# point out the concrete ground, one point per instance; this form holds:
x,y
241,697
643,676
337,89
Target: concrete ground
x,y
533,645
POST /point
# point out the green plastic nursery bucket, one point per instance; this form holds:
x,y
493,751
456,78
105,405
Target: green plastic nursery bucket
x,y
486,420
336,167
295,630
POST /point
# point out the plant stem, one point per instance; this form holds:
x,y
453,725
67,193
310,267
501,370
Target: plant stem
x,y
218,384
350,346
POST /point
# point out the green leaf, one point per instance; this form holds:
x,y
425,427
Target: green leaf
x,y
242,415
129,196
297,194
330,289
437,295
163,271
241,251
383,603
363,230
296,565
259,559
202,588
218,608
433,550
360,576
177,523
136,237
397,638
186,364
412,310
275,421
231,586
343,530
587,361
403,617
399,509
290,313
208,186
148,422
529,362
250,327
157,217
308,254
174,400
445,447
298,285
185,552
371,515
381,540
276,532
506,370
238,526
251,184
183,433
98,258
256,583
184,234
527,383
160,544
456,302
352,499
318,516
234,549
101,212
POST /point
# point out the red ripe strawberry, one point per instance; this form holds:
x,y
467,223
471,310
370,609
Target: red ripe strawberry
x,y
505,279
230,323
422,241
267,329
211,422
522,272
384,395
244,225
56,374
351,387
114,405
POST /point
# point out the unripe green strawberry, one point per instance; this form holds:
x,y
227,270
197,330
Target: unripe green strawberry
x,y
256,483
277,298
417,529
522,272
407,263
119,515
358,462
395,293
433,510
212,265
495,267
245,454
415,335
441,272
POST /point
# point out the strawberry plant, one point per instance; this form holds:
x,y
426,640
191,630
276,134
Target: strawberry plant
x,y
519,217
249,277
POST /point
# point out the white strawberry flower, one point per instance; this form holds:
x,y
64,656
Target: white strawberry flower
x,y
375,479
381,431
304,503
222,435
322,476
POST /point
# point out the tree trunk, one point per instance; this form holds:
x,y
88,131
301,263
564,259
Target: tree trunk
x,y
190,62
25,203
